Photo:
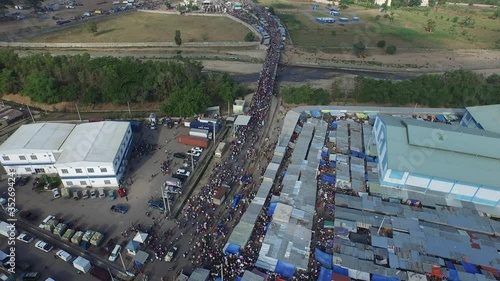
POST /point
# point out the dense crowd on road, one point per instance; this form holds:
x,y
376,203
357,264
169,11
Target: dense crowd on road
x,y
200,215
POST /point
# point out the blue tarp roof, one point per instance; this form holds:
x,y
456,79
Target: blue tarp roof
x,y
376,277
340,270
469,267
325,259
232,249
238,278
316,113
237,199
325,274
441,118
272,207
453,275
327,178
285,269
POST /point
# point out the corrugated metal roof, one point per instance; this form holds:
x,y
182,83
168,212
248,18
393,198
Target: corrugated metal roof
x,y
488,116
38,136
464,161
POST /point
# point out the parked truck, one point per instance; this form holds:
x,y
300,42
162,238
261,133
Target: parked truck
x,y
200,133
204,126
221,148
193,141
60,229
7,230
82,264
77,238
96,239
88,235
68,234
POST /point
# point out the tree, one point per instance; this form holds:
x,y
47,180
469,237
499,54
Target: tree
x,y
271,10
344,4
4,5
35,4
359,47
177,38
496,14
415,3
391,50
92,27
381,44
249,37
468,22
431,25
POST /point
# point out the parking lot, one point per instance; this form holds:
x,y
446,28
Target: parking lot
x,y
143,183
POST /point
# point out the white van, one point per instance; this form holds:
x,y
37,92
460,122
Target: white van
x,y
114,254
65,256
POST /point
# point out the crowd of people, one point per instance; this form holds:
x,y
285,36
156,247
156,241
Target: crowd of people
x,y
201,212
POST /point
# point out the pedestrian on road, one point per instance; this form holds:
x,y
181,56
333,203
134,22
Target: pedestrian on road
x,y
126,197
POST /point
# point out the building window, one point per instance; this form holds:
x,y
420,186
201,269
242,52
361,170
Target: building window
x,y
69,183
64,171
90,170
28,170
33,157
107,182
6,158
104,170
22,157
83,183
78,171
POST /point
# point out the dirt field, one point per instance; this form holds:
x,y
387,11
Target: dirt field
x,y
147,27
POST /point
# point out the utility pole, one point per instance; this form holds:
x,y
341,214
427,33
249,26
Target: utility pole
x,y
192,163
29,110
221,272
123,263
112,279
380,227
165,203
129,111
78,111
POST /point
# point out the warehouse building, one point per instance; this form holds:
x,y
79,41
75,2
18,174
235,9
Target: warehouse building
x,y
485,117
34,148
90,154
439,159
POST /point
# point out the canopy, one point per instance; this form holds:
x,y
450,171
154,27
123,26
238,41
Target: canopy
x,y
325,259
325,274
441,118
453,275
132,246
469,267
340,270
328,224
328,179
272,208
140,237
316,113
232,249
140,258
236,200
285,269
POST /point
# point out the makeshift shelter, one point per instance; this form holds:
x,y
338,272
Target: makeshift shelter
x,y
285,269
132,248
325,259
140,237
199,274
140,258
231,249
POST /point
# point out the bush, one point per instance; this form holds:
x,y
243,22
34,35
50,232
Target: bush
x,y
391,50
455,19
306,94
249,37
381,43
359,47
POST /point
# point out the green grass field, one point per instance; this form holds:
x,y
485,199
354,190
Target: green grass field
x,y
408,28
148,27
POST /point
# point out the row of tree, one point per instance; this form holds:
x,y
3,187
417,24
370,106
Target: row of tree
x,y
179,85
306,95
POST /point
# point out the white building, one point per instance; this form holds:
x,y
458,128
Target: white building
x,y
95,154
34,148
440,159
90,154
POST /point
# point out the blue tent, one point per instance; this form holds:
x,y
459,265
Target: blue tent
x,y
285,269
218,279
334,125
232,249
370,159
340,270
325,274
361,155
272,207
237,199
327,178
469,267
441,118
450,265
354,154
238,278
324,154
376,277
453,275
325,259
316,113
322,162
246,178
333,164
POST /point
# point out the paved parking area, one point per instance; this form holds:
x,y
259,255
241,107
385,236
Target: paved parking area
x,y
146,177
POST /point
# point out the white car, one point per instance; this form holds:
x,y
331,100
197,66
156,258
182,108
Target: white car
x,y
102,194
25,237
56,193
44,246
197,149
114,254
194,153
65,256
183,172
93,194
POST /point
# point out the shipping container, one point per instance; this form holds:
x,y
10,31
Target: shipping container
x,y
193,141
199,133
220,149
204,126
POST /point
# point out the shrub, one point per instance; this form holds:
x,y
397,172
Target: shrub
x,y
249,37
381,44
391,50
455,19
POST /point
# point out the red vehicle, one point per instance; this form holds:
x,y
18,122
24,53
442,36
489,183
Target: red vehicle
x,y
122,192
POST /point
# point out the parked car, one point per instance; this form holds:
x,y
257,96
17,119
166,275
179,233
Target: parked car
x,y
93,194
180,155
194,153
25,237
65,256
179,177
106,249
197,149
31,276
171,254
111,195
27,215
76,195
44,246
56,193
183,172
85,194
114,254
21,181
102,194
156,204
119,209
